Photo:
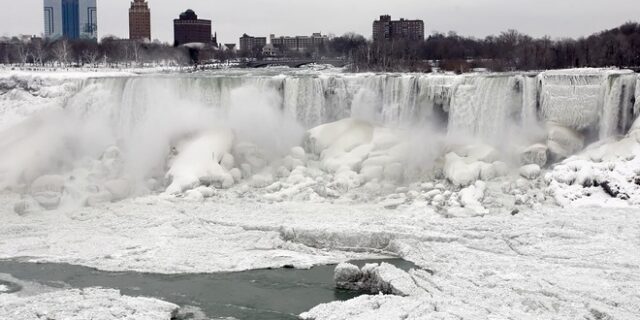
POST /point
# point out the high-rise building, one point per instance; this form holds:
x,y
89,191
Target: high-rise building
x,y
299,43
387,29
72,19
250,44
189,29
139,20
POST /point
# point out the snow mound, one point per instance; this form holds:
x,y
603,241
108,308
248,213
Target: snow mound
x,y
605,174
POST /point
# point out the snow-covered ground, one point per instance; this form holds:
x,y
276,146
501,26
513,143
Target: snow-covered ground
x,y
82,304
551,263
35,301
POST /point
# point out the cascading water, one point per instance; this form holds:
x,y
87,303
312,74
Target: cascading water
x,y
595,100
144,115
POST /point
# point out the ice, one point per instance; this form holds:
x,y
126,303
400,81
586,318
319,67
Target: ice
x,y
562,141
211,172
375,278
605,174
535,154
80,304
471,197
530,171
198,161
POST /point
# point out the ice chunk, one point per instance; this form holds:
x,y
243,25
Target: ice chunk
x,y
563,142
535,154
374,278
198,161
471,197
460,171
47,191
530,172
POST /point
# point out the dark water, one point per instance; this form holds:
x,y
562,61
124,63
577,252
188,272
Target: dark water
x,y
259,294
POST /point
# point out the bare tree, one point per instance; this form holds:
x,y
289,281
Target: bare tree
x,y
61,52
22,51
38,52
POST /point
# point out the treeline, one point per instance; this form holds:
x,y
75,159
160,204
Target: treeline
x,y
509,51
110,52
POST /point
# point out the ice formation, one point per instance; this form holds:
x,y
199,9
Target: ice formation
x,y
101,138
80,304
375,278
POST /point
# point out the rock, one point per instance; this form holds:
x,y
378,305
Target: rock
x,y
374,278
119,188
346,273
530,172
535,154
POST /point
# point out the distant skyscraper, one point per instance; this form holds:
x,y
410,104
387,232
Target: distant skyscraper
x,y
189,29
139,20
72,19
387,29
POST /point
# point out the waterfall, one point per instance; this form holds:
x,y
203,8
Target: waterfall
x,y
475,105
483,107
589,99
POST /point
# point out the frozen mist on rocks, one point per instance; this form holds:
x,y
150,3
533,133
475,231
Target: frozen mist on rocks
x,y
236,170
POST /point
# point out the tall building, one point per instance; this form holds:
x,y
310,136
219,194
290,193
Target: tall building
x,y
250,44
387,29
139,20
299,43
189,29
72,19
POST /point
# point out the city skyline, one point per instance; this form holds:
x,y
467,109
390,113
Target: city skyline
x,y
261,18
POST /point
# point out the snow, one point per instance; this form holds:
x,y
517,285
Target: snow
x,y
375,278
500,262
605,174
80,304
198,161
531,171
535,154
190,174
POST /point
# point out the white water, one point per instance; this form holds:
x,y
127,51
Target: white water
x,y
144,115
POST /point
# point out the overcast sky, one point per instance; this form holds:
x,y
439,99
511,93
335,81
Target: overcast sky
x,y
557,18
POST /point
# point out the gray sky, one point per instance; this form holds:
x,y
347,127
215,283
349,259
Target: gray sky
x,y
557,18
